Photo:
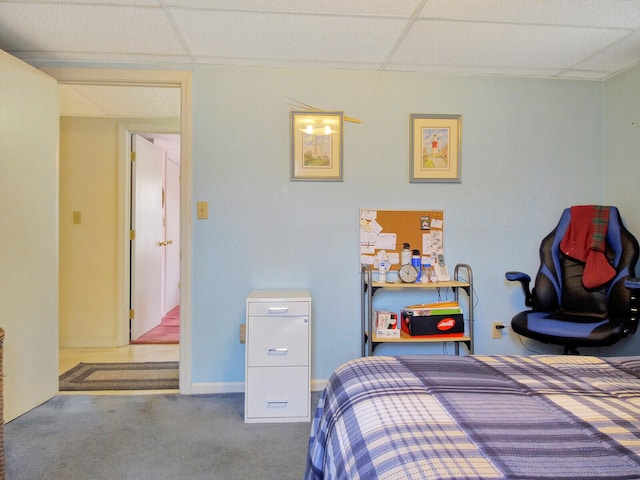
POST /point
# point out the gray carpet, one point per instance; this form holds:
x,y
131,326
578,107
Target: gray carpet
x,y
170,436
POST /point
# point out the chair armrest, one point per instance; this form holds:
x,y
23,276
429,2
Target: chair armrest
x,y
633,284
525,281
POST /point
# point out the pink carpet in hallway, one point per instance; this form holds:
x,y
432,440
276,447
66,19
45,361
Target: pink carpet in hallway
x,y
167,332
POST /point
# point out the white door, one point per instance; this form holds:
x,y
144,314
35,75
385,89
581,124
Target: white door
x,y
149,242
29,135
172,234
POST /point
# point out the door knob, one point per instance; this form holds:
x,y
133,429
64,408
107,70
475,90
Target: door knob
x,y
164,244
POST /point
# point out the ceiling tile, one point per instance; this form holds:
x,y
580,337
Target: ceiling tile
x,y
597,13
617,57
567,38
268,36
441,43
86,28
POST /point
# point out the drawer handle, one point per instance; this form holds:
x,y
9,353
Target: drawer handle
x,y
278,309
281,350
278,402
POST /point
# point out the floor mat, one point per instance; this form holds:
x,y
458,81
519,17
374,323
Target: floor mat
x,y
121,376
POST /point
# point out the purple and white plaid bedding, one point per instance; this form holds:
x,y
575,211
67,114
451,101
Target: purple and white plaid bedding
x,y
480,417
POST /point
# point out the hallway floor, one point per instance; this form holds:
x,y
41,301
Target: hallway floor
x,y
168,331
70,357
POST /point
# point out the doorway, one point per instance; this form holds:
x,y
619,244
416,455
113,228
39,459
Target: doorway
x,y
181,81
155,244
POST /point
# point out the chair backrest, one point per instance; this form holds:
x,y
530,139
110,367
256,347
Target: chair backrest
x,y
558,284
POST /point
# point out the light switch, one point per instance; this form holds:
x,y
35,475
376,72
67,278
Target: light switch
x,y
202,210
77,218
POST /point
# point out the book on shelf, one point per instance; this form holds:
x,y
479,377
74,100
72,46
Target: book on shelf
x,y
437,308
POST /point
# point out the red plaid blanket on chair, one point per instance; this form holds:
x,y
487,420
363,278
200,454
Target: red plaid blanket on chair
x,y
585,240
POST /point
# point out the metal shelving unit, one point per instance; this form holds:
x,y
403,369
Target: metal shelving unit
x,y
369,288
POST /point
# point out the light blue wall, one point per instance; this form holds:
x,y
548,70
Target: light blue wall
x,y
529,148
622,145
621,160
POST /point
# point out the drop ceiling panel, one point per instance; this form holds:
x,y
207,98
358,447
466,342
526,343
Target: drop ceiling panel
x,y
287,37
590,39
86,28
596,13
500,45
617,57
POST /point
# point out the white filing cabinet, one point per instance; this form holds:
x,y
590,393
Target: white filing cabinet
x,y
278,356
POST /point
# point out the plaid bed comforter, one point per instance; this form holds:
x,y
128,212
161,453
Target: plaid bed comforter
x,y
482,417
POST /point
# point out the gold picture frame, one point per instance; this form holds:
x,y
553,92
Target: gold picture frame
x,y
435,148
316,146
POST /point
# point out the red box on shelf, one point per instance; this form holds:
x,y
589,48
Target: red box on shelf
x,y
431,325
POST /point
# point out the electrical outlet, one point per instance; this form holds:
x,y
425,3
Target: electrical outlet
x,y
496,330
243,333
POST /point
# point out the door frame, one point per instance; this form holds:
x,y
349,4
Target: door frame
x,y
151,78
125,132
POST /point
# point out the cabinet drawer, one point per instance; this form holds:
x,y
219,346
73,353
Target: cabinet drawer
x,y
278,341
277,393
278,308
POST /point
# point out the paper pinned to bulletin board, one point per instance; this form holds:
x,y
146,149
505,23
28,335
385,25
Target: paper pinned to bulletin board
x,y
383,232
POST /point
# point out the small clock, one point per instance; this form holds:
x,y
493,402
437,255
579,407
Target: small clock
x,y
408,273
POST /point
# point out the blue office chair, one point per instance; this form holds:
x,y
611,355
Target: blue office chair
x,y
563,310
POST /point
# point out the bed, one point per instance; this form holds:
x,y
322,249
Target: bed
x,y
478,417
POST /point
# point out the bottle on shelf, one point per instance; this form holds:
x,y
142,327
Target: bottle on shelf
x,y
405,254
416,261
382,271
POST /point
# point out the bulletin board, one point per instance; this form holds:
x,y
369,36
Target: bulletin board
x,y
383,232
